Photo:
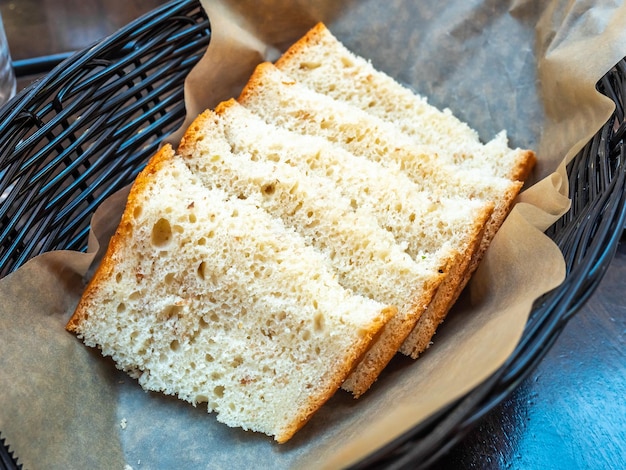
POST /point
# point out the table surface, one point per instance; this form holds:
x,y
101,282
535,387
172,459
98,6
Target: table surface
x,y
571,411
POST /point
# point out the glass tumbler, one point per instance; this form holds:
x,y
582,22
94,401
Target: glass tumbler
x,y
7,75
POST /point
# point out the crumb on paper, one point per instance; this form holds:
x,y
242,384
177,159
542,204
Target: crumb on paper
x,y
123,424
129,467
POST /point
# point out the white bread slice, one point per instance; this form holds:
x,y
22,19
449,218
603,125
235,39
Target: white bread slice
x,y
211,299
429,227
364,255
282,101
323,63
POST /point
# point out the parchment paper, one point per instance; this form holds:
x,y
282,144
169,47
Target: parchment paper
x,y
526,66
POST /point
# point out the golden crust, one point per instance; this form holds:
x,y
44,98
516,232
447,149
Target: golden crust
x,y
256,81
420,338
188,141
525,163
313,36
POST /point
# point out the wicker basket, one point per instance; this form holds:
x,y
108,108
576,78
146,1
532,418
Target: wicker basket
x,y
84,131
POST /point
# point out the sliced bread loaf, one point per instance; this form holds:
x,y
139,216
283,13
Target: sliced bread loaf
x,y
439,233
291,248
209,298
323,63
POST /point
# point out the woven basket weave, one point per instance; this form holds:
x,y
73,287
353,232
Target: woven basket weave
x,y
85,130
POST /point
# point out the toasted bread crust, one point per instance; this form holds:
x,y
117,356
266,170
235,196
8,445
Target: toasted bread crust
x,y
314,36
397,330
334,382
524,165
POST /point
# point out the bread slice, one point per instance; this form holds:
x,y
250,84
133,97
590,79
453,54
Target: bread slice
x,y
323,63
211,299
439,233
281,100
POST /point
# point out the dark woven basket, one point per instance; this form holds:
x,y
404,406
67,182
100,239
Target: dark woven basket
x,y
84,131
